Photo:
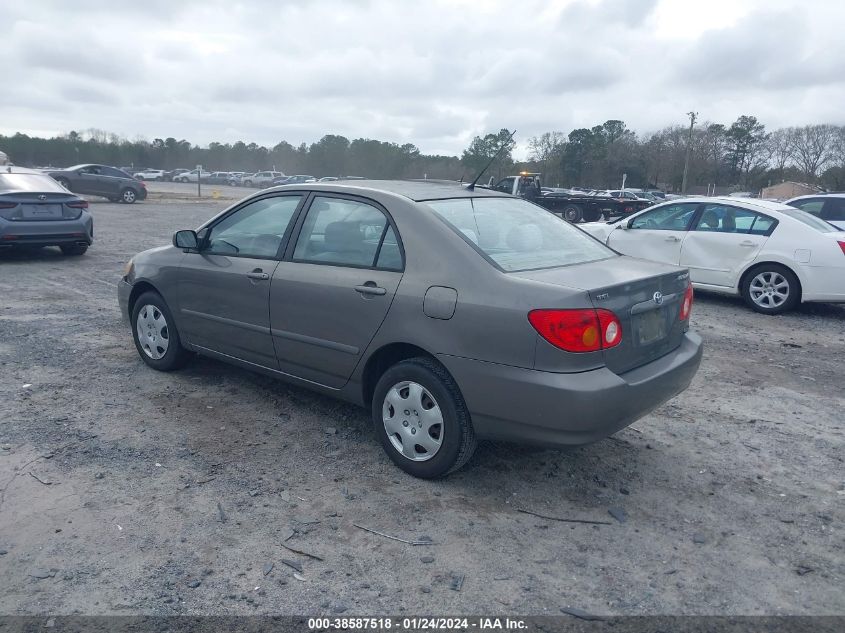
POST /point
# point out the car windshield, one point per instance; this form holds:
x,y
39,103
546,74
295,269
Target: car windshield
x,y
29,182
810,220
517,235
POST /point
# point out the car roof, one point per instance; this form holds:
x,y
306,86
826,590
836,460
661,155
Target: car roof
x,y
416,190
821,194
751,203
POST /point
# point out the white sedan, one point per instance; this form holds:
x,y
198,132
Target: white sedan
x,y
773,255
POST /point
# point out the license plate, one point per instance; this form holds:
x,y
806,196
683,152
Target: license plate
x,y
651,326
42,211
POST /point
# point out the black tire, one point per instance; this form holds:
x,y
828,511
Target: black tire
x,y
75,249
458,436
592,215
756,284
176,356
128,195
572,213
64,182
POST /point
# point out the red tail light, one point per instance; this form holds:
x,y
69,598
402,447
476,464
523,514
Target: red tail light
x,y
842,246
686,304
578,330
8,205
82,204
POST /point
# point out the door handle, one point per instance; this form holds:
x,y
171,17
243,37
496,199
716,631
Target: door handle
x,y
748,243
370,288
672,238
258,274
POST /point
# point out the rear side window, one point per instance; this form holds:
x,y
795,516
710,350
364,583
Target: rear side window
x,y
517,235
347,232
834,210
811,205
723,218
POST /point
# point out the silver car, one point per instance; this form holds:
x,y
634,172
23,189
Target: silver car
x,y
454,315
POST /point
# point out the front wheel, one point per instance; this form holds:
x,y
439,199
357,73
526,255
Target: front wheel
x,y
128,196
155,334
771,289
421,419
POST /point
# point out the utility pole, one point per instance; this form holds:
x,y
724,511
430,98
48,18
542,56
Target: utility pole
x,y
692,117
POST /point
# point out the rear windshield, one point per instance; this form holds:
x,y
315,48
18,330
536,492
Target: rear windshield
x,y
29,182
810,220
517,235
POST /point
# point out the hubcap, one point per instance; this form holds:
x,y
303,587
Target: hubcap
x,y
129,195
769,289
153,334
413,421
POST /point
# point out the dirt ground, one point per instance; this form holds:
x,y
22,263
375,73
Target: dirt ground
x,y
127,491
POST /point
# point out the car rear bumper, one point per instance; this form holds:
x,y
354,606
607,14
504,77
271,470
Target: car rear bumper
x,y
556,409
124,290
47,233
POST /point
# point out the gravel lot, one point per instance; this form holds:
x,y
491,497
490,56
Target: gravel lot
x,y
123,490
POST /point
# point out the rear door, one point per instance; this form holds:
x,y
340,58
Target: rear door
x,y
723,241
224,289
656,234
331,294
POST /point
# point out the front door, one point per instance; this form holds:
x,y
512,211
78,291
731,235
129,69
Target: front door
x,y
656,234
723,242
224,289
329,300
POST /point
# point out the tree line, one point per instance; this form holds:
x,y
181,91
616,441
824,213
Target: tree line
x,y
743,155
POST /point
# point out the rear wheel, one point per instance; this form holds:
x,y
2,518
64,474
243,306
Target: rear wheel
x,y
592,215
155,334
128,196
76,249
771,289
421,419
572,213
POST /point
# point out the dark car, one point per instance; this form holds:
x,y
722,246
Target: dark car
x,y
101,180
35,210
451,314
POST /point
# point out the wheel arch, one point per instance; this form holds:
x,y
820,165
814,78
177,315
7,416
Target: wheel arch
x,y
383,359
770,261
138,288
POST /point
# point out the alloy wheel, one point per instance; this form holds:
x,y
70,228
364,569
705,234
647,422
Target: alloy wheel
x,y
769,289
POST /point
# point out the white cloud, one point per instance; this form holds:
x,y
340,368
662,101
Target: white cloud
x,y
431,73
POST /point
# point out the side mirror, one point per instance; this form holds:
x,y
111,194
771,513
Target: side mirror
x,y
186,240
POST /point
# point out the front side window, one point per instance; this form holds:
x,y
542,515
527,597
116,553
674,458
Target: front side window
x,y
670,217
255,230
834,210
505,185
347,232
517,235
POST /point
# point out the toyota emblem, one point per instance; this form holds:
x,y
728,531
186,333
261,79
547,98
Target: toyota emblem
x,y
42,197
658,298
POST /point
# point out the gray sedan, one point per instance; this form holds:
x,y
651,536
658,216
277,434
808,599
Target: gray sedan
x,y
454,315
35,210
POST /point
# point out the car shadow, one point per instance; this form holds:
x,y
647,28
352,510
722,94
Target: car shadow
x,y
31,253
826,310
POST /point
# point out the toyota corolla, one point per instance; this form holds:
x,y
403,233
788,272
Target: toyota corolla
x,y
453,315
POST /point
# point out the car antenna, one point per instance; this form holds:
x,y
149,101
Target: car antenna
x,y
471,186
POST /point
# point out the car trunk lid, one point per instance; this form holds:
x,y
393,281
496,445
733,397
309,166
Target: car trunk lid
x,y
645,296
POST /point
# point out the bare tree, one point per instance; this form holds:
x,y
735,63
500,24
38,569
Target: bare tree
x,y
781,149
813,147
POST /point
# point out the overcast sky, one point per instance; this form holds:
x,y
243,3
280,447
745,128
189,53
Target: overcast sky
x,y
432,73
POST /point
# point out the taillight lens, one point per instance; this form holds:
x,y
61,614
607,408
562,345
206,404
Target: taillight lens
x,y
578,330
81,204
842,246
8,205
686,304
